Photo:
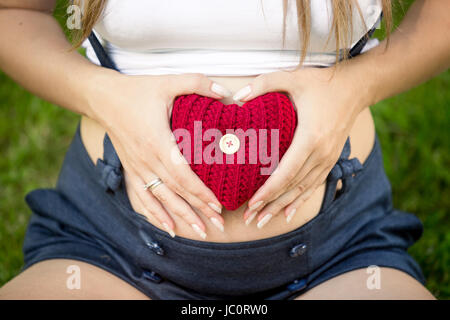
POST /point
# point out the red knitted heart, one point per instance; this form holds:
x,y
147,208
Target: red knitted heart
x,y
235,181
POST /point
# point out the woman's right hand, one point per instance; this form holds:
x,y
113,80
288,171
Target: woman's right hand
x,y
135,112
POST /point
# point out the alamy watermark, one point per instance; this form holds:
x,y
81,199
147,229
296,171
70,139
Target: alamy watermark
x,y
259,150
374,280
74,20
73,281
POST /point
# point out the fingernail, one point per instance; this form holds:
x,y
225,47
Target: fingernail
x,y
264,220
290,215
255,205
169,230
215,207
217,223
198,230
250,218
241,94
221,91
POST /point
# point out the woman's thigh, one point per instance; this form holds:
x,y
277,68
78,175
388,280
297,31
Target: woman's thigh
x,y
393,284
54,279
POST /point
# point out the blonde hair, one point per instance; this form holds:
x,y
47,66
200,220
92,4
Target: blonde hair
x,y
341,24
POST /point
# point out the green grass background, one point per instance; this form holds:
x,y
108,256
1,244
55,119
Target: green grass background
x,y
413,129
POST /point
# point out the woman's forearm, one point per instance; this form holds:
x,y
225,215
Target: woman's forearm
x,y
418,50
35,53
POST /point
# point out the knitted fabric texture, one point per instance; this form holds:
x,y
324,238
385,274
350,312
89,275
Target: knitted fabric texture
x,y
233,180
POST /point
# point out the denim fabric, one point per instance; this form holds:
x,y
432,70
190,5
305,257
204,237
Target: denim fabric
x,y
88,217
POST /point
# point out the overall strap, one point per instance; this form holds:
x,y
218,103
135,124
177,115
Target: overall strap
x,y
102,56
357,48
109,167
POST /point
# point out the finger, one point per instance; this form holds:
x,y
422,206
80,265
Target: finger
x,y
310,181
287,170
296,186
249,216
198,83
184,180
190,83
212,215
320,155
149,203
178,206
151,206
215,218
291,209
264,83
275,207
299,181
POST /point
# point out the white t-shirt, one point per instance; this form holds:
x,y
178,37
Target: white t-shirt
x,y
219,37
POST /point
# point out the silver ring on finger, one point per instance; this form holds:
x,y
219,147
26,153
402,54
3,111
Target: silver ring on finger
x,y
152,184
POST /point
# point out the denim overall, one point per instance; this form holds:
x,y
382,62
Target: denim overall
x,y
88,217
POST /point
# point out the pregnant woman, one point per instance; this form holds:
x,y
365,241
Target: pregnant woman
x,y
133,219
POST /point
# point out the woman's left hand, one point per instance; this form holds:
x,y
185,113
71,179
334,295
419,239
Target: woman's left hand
x,y
327,104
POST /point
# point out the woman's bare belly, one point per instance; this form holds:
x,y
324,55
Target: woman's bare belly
x,y
362,137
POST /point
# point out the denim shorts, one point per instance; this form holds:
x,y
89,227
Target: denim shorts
x,y
88,217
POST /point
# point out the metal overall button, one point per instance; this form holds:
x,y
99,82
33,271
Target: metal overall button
x,y
298,250
151,244
152,276
297,285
